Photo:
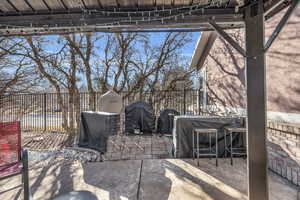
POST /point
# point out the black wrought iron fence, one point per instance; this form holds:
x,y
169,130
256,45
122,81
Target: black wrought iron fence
x,y
47,111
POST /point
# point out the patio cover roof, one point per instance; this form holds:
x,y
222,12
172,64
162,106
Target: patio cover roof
x,y
21,17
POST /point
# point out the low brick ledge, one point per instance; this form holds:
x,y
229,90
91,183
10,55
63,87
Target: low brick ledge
x,y
284,150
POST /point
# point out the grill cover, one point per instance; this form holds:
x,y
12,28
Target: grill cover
x,y
140,116
183,129
96,127
165,121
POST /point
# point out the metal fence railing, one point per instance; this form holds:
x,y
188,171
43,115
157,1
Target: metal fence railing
x,y
43,111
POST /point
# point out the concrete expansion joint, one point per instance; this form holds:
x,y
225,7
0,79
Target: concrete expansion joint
x,y
139,183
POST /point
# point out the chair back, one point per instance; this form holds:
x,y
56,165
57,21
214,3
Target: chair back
x,y
10,143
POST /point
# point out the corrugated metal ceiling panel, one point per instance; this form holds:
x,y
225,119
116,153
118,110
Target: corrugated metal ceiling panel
x,y
92,3
163,2
73,4
55,4
145,3
108,3
37,4
128,3
21,5
6,7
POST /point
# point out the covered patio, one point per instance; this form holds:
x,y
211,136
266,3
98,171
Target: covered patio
x,y
168,179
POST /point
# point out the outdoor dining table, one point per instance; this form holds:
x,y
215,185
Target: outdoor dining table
x,y
77,195
184,126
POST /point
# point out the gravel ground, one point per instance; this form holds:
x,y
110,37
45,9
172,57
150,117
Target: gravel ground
x,y
43,146
67,154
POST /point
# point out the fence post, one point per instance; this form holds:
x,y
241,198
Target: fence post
x,y
199,101
94,96
184,101
1,107
45,111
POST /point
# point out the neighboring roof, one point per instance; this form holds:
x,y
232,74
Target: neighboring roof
x,y
203,46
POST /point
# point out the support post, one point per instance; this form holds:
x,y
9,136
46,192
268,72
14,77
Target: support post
x,y
25,175
256,102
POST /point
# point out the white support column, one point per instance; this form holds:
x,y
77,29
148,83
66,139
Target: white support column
x,y
256,103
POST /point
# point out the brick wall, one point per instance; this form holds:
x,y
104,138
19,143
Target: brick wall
x,y
226,79
284,150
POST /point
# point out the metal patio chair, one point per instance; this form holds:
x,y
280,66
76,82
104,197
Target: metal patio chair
x,y
13,160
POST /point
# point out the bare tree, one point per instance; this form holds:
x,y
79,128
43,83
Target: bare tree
x,y
14,71
113,70
126,62
16,76
85,47
135,65
59,67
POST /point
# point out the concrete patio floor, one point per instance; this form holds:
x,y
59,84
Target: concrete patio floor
x,y
150,179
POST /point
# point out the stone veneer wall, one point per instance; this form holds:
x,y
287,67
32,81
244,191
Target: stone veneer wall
x,y
284,150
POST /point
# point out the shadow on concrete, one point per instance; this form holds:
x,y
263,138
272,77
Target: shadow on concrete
x,y
116,180
202,183
145,180
161,179
52,179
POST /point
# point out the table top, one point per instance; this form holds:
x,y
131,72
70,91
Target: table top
x,y
203,117
100,113
205,130
77,195
232,129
